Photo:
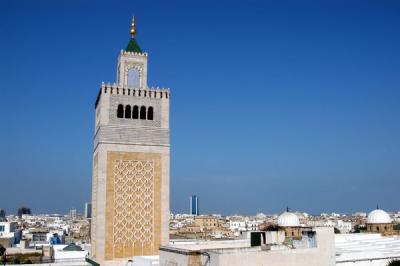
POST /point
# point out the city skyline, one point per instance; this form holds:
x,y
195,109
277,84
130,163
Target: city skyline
x,y
308,121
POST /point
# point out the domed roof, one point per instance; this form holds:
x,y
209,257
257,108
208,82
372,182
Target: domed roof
x,y
288,219
378,217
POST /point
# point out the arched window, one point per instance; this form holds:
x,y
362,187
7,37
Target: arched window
x,y
128,111
135,112
142,113
133,78
120,111
150,113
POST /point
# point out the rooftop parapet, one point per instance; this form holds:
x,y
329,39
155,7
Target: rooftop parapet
x,y
152,92
123,52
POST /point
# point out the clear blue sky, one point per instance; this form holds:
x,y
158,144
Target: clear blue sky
x,y
296,103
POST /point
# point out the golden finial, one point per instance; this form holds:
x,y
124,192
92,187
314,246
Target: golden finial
x,y
133,28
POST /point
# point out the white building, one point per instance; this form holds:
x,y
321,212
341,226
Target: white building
x,y
71,252
344,227
9,235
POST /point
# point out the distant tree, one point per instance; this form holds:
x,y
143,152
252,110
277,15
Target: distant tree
x,y
359,228
356,229
396,227
16,260
2,250
337,231
272,227
394,263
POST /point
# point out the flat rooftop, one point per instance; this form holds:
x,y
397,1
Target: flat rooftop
x,y
209,244
366,246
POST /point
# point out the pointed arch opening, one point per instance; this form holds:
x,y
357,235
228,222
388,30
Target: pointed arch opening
x,y
150,113
128,111
142,113
135,112
120,111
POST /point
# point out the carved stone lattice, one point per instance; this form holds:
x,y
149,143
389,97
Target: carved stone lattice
x,y
133,202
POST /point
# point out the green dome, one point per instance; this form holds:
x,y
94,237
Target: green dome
x,y
133,46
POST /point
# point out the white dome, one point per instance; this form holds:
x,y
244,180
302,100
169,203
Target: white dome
x,y
378,217
288,219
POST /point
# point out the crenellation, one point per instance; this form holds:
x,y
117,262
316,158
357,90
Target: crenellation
x,y
125,53
152,92
148,92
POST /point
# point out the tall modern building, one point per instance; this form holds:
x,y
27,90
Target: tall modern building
x,y
72,214
2,214
88,210
23,210
130,194
194,205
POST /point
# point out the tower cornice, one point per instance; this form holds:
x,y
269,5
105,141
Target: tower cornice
x,y
126,53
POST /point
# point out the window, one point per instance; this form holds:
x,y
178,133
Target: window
x,y
135,112
128,111
120,111
150,113
142,113
133,78
377,228
2,228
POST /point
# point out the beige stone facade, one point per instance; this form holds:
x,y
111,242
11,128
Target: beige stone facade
x,y
208,223
293,231
130,187
382,228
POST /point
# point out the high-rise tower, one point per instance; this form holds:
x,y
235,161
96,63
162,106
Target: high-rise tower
x,y
194,205
130,194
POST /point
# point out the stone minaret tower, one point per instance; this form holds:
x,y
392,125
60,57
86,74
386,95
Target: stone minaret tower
x,y
130,194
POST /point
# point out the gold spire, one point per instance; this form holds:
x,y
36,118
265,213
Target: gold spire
x,y
133,28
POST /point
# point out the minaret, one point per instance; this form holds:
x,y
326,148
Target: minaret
x,y
130,193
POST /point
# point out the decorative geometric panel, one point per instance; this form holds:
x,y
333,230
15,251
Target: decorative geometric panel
x,y
133,202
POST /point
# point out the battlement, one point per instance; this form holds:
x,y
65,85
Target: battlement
x,y
123,52
152,92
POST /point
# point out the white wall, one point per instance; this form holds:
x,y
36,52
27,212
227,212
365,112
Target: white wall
x,y
322,255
